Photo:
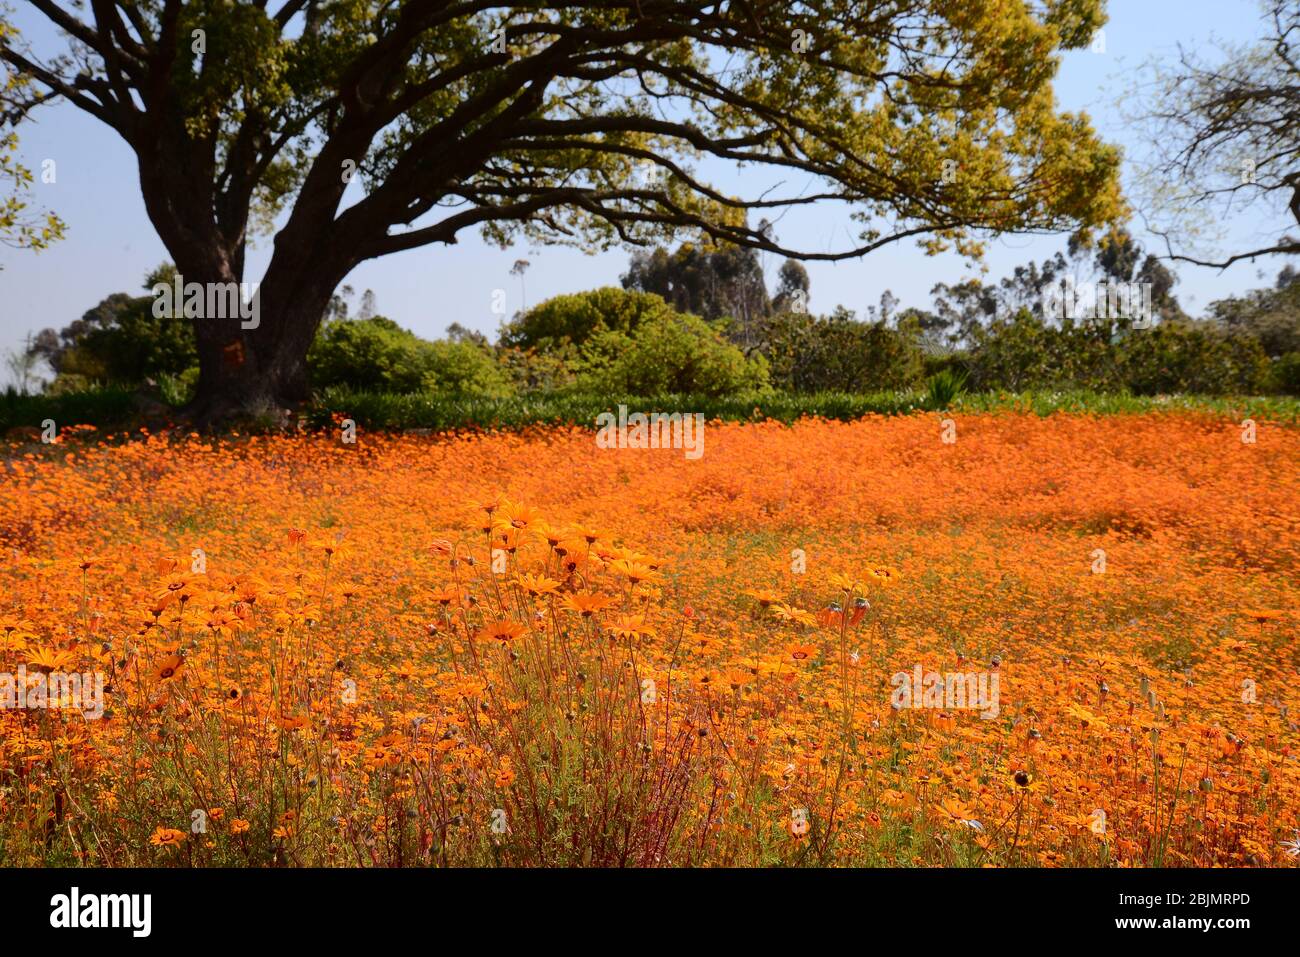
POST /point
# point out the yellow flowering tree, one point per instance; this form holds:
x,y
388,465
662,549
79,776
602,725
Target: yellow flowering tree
x,y
583,123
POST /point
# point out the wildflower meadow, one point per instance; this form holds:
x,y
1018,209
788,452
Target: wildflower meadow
x,y
649,473
524,648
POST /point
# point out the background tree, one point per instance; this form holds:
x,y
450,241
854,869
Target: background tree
x,y
118,342
714,282
793,289
1119,257
670,354
927,119
23,366
1270,315
1226,136
519,269
807,353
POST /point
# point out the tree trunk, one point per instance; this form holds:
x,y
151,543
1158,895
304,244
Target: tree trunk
x,y
258,372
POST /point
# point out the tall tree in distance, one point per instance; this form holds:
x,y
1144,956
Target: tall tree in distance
x,y
712,282
793,289
924,120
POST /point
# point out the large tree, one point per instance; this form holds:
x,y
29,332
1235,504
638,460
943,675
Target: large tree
x,y
570,122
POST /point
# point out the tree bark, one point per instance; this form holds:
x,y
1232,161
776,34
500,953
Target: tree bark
x,y
258,372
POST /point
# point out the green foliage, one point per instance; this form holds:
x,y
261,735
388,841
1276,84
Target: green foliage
x,y
376,354
670,354
1286,374
368,354
1191,357
1024,353
1013,354
99,407
119,342
436,411
816,354
943,387
563,323
870,128
588,124
464,369
715,282
1270,315
176,390
19,227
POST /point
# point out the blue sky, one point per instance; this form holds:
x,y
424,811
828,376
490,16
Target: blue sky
x,y
111,245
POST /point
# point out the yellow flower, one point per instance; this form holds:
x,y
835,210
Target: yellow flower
x,y
167,837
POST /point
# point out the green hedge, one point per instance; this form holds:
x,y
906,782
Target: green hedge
x,y
115,408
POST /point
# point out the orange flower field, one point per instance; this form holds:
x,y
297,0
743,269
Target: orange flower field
x,y
523,649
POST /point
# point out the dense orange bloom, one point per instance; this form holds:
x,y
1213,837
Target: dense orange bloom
x,y
445,596
585,534
763,597
175,588
801,652
882,575
513,515
1084,569
634,571
1265,615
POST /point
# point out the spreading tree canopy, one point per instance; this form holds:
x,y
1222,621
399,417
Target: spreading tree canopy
x,y
582,123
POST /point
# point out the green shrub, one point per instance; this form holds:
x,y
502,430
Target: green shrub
x,y
532,371
1195,358
1286,374
463,369
1023,353
839,354
120,342
1013,354
671,354
179,389
367,354
378,355
571,320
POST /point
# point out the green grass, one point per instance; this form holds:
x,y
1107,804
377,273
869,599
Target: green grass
x,y
114,408
374,410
